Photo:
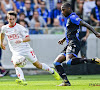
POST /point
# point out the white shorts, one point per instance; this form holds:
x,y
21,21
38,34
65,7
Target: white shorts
x,y
29,55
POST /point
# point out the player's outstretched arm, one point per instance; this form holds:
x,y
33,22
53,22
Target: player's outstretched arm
x,y
27,39
83,23
1,41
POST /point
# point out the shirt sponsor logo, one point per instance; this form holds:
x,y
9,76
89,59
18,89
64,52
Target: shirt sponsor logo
x,y
13,36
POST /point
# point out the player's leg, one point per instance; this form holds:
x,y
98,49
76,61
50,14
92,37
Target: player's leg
x,y
57,63
33,59
74,49
45,67
20,75
75,61
60,69
18,70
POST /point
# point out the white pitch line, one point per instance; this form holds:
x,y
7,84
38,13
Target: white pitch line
x,y
5,79
8,84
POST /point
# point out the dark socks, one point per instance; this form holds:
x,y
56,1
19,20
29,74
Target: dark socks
x,y
61,72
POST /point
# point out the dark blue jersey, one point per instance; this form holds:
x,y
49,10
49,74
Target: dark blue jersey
x,y
45,14
72,26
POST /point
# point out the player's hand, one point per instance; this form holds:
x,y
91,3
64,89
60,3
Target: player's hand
x,y
3,47
98,35
61,41
18,41
84,39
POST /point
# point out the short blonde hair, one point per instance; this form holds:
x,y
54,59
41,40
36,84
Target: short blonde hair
x,y
12,13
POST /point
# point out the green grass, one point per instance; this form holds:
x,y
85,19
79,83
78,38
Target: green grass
x,y
47,82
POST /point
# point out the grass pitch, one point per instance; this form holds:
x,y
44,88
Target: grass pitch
x,y
47,82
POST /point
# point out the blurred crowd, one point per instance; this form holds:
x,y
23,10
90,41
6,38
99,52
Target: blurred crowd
x,y
38,14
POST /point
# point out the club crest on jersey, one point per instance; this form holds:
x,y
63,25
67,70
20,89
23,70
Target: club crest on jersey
x,y
77,19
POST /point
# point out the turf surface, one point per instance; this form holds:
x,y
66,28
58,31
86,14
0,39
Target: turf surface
x,y
47,82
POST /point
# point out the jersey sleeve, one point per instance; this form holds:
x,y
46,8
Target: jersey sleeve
x,y
24,32
75,19
2,30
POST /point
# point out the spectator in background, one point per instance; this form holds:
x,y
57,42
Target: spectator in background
x,y
95,14
57,29
44,12
0,12
7,5
51,4
62,20
23,23
56,23
22,17
28,11
83,35
37,29
37,18
36,2
5,20
1,17
2,70
73,4
80,5
87,7
56,12
20,5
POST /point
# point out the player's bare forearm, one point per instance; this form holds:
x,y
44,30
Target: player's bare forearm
x,y
87,34
26,39
83,23
2,37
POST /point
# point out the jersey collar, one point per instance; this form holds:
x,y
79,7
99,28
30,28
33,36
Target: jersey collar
x,y
12,26
71,14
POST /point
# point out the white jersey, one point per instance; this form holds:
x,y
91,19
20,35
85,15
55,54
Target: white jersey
x,y
17,32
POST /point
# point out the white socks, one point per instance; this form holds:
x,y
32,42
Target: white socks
x,y
19,73
47,68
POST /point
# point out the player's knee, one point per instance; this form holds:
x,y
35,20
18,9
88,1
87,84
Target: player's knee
x,y
15,65
56,63
39,66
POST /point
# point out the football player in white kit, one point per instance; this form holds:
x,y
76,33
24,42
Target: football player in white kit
x,y
18,38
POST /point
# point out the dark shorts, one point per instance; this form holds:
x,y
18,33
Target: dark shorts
x,y
73,47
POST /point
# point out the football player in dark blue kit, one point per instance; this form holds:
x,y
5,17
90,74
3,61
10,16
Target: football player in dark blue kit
x,y
69,54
